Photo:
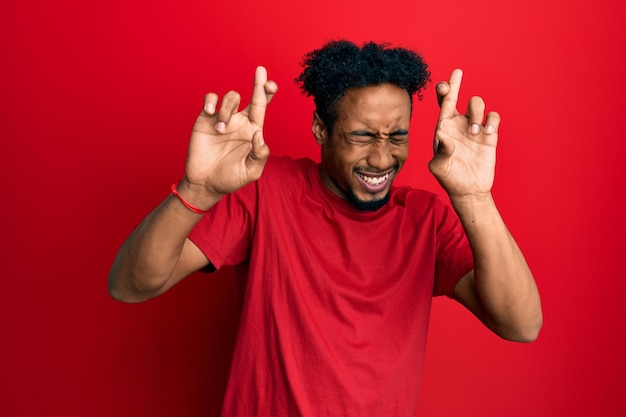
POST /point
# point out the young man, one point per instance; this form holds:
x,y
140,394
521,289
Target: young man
x,y
340,266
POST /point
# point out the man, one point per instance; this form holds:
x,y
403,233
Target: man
x,y
340,266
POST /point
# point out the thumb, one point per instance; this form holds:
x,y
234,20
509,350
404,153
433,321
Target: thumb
x,y
258,154
442,145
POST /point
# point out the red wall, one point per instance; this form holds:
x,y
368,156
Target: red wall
x,y
96,105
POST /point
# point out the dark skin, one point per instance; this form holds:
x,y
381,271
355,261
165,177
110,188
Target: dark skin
x,y
501,290
369,144
227,151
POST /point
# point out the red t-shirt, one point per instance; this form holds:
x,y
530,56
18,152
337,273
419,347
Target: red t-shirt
x,y
337,300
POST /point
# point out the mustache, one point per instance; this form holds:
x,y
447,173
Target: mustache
x,y
369,170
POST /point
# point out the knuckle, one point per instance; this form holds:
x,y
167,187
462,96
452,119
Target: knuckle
x,y
258,103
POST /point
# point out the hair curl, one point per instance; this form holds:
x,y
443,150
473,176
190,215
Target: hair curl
x,y
340,65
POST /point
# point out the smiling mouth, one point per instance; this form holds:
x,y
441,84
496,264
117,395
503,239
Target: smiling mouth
x,y
375,183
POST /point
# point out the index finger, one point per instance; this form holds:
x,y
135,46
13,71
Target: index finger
x,y
258,103
449,100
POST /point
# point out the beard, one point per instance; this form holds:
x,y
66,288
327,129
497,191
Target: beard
x,y
367,205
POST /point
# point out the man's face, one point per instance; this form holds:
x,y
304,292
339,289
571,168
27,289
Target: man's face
x,y
368,146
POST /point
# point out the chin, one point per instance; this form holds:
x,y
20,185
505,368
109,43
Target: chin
x,y
367,205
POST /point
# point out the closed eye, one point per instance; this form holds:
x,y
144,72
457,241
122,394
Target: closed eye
x,y
361,137
364,137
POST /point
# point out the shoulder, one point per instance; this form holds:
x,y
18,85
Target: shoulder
x,y
282,171
422,206
415,198
287,165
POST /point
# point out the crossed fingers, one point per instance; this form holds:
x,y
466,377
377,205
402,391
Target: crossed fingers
x,y
262,94
448,96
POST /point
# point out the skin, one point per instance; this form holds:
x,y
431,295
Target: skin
x,y
227,151
370,139
501,290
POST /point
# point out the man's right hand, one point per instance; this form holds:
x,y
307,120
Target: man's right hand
x,y
227,149
226,152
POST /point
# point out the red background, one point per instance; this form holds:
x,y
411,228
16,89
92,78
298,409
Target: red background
x,y
96,104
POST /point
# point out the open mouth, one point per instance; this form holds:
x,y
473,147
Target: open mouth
x,y
374,183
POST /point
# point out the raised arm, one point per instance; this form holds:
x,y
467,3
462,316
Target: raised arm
x,y
501,290
226,152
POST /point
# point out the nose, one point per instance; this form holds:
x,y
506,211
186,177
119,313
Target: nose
x,y
380,156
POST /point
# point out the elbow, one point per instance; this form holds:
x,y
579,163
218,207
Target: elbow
x,y
124,297
128,297
524,337
527,333
533,333
120,290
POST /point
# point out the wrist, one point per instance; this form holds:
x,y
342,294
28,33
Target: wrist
x,y
471,199
195,197
474,209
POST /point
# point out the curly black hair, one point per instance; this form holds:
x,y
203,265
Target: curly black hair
x,y
340,65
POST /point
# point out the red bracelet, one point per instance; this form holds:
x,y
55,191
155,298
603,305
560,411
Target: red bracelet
x,y
187,204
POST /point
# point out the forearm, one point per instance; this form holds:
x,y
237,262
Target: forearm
x,y
506,290
150,259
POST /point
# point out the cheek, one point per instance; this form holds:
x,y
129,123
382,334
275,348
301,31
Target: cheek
x,y
401,154
343,159
343,167
357,157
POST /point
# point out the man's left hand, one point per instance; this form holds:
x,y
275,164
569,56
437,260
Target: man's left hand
x,y
465,145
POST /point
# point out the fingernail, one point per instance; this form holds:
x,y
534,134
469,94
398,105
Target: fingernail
x,y
474,129
220,127
210,108
490,129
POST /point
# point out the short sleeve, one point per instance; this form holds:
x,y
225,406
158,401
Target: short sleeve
x,y
225,234
453,253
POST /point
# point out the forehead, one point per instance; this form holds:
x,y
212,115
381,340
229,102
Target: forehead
x,y
385,103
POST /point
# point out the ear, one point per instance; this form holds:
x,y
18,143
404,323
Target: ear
x,y
319,129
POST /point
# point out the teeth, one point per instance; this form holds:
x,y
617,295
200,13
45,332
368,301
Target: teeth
x,y
374,180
